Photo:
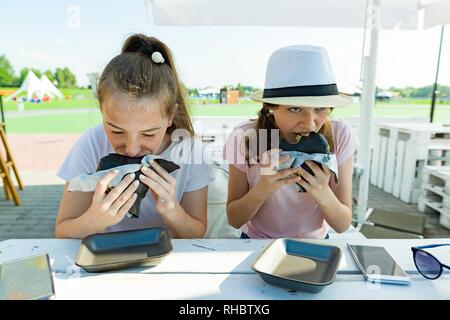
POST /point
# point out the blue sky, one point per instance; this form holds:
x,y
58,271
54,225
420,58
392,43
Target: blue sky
x,y
43,35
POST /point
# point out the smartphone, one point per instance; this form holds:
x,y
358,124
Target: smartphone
x,y
377,265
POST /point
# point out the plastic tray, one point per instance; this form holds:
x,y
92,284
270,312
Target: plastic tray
x,y
123,249
28,278
298,265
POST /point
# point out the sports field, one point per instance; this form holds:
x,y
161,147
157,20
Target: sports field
x,y
80,111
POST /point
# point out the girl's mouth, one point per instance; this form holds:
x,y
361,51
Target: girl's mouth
x,y
299,135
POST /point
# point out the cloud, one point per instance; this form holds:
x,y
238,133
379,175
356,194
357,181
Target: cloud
x,y
37,56
43,60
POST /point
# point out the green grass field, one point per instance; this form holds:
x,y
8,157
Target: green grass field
x,y
83,99
66,123
78,122
79,98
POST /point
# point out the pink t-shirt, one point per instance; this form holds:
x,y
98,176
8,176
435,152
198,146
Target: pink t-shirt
x,y
287,213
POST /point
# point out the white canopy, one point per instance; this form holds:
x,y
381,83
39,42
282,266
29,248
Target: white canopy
x,y
384,94
48,88
32,85
319,13
369,14
349,88
209,90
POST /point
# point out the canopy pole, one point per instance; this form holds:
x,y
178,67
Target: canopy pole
x,y
367,105
433,96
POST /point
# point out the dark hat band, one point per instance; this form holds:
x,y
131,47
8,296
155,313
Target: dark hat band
x,y
302,91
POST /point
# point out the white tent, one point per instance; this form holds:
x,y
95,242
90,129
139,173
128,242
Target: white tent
x,y
372,15
384,95
32,85
349,89
209,90
48,88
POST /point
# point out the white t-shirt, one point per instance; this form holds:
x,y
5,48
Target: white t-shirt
x,y
94,145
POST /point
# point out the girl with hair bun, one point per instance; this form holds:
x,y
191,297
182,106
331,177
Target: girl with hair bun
x,y
143,105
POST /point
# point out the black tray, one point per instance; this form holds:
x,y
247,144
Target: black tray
x,y
124,249
298,265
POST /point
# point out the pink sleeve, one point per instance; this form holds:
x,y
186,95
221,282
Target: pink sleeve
x,y
233,150
345,141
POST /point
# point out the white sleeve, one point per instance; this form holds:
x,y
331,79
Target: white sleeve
x,y
200,176
82,158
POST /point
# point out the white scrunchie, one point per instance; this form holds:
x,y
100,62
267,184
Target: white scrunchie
x,y
157,57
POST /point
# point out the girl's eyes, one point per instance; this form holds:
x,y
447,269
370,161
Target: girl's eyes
x,y
295,109
298,109
121,132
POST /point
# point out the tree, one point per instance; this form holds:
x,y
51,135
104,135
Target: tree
x,y
22,75
7,77
240,88
50,75
65,78
37,72
193,92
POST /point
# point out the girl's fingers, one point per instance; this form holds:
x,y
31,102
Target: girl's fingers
x,y
304,184
285,173
148,172
126,207
314,167
147,180
117,190
124,197
291,180
156,187
269,156
275,162
102,185
163,173
284,158
154,195
326,170
305,174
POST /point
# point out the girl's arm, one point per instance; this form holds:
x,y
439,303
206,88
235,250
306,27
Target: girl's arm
x,y
69,223
189,217
242,204
338,211
84,213
186,219
335,202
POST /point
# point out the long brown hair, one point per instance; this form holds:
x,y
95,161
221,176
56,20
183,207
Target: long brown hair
x,y
133,72
266,121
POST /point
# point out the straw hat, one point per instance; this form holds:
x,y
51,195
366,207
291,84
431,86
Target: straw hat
x,y
302,76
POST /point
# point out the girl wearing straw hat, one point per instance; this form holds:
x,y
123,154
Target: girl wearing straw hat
x,y
263,200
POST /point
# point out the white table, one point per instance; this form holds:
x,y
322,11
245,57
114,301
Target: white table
x,y
221,269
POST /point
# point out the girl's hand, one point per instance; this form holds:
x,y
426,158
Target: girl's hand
x,y
109,209
271,179
318,185
162,186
